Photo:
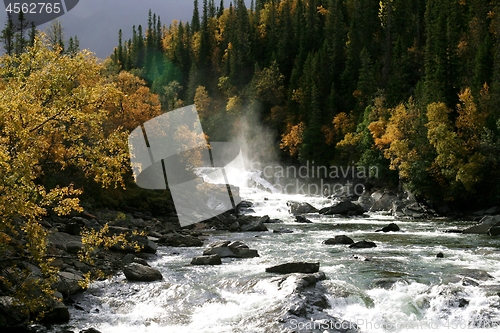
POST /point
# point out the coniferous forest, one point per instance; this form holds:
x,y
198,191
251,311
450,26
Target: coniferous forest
x,y
410,86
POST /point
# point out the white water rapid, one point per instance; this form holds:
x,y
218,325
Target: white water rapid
x,y
399,286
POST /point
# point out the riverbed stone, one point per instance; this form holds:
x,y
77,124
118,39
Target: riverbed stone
x,y
302,219
346,207
228,249
299,208
68,283
383,201
138,272
392,227
294,267
363,245
484,225
339,240
253,226
213,259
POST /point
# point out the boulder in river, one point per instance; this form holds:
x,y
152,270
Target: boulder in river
x,y
363,245
299,208
345,207
294,267
484,225
302,219
303,311
383,201
339,239
213,259
138,272
391,227
68,283
494,230
252,223
228,249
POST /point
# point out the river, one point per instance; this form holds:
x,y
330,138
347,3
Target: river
x,y
399,286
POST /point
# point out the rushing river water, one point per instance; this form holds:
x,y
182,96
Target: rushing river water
x,y
401,287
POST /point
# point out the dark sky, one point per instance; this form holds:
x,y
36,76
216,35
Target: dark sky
x,y
96,22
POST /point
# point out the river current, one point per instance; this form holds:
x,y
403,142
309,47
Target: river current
x,y
399,286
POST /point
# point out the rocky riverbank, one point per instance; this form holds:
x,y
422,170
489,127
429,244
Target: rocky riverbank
x,y
65,243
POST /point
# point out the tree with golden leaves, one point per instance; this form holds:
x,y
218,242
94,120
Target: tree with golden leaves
x,y
52,111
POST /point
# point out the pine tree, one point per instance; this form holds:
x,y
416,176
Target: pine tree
x,y
7,36
195,21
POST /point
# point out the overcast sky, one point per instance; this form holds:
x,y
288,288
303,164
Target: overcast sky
x,y
96,22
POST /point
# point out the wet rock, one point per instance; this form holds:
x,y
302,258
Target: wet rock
x,y
265,219
383,201
469,282
294,267
213,259
299,208
304,309
130,258
476,274
385,283
68,283
180,240
138,272
345,207
252,225
245,207
363,245
440,255
392,227
366,201
494,230
282,231
339,239
484,225
228,249
90,330
361,258
302,219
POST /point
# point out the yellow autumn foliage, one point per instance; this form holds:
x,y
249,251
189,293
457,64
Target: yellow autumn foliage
x,y
57,112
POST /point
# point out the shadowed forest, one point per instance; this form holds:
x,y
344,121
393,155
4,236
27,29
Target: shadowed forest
x,y
412,87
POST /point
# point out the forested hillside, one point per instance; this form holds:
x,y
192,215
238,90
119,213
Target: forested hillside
x,y
410,86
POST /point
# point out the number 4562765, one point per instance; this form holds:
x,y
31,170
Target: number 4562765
x,y
34,8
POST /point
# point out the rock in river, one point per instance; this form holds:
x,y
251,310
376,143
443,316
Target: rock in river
x,y
484,225
236,249
294,267
391,227
339,239
363,245
213,259
299,208
138,272
345,207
